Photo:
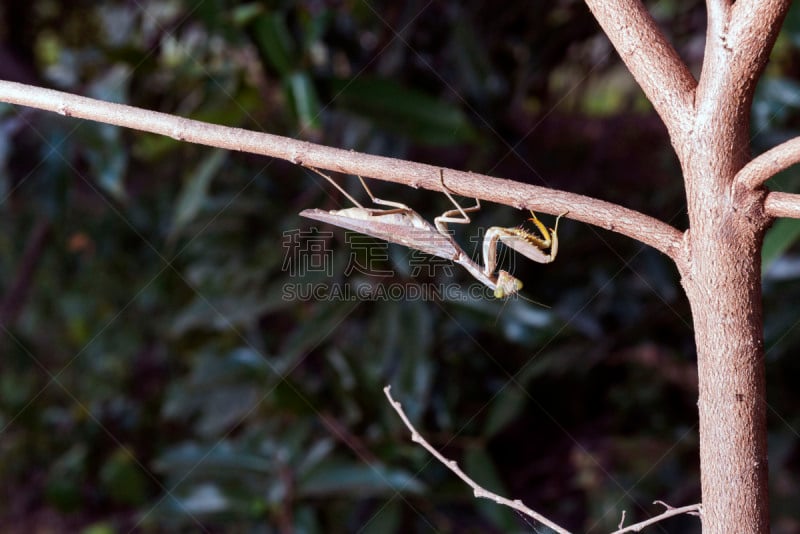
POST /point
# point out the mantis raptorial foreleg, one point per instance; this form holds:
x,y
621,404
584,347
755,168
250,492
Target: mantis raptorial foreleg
x,y
541,248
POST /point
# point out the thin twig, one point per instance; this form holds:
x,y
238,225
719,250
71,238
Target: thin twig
x,y
779,204
766,165
478,490
610,216
692,509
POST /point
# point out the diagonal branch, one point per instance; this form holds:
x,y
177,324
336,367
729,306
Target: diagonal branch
x,y
766,165
610,216
478,490
654,63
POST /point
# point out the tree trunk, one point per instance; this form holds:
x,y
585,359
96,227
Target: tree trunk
x,y
722,279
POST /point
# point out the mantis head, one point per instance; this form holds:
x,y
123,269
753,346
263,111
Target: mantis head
x,y
507,285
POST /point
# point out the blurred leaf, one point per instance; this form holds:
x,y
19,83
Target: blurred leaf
x,y
305,521
776,98
313,455
304,96
222,389
403,111
504,408
223,459
66,477
220,314
123,479
194,193
275,42
99,528
386,518
338,478
204,499
791,25
407,351
783,234
242,15
327,317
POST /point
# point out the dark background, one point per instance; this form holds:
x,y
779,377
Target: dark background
x,y
153,376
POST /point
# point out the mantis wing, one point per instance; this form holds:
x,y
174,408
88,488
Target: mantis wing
x,y
400,228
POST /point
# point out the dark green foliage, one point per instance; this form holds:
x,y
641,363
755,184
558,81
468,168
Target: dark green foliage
x,y
165,369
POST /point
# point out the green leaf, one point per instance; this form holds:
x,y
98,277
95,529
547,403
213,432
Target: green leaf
x,y
403,111
99,528
244,14
385,519
783,234
205,499
308,335
191,460
305,521
776,99
275,42
195,191
66,477
306,103
413,358
123,479
338,478
504,409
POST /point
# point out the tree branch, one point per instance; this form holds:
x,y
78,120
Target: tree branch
x,y
778,204
692,509
739,39
654,63
719,12
478,490
754,26
522,196
766,165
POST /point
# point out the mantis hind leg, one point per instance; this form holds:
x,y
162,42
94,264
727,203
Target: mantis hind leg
x,y
458,215
399,206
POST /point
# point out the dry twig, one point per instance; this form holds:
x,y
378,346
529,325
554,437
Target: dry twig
x,y
692,509
478,490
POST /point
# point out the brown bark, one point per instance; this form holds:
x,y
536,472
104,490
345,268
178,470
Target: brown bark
x,y
723,283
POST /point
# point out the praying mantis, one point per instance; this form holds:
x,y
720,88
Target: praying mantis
x,y
401,224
